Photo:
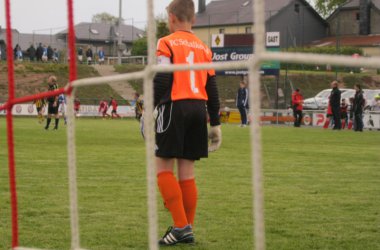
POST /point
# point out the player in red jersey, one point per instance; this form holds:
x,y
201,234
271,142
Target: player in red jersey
x,y
103,107
181,125
113,103
76,106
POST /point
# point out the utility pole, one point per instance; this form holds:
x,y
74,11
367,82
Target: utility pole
x,y
337,38
119,47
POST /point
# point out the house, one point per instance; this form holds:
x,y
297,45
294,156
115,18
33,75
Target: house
x,y
104,35
296,20
355,23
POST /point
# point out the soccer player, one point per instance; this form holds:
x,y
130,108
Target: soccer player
x,y
76,106
181,125
113,103
52,103
139,106
103,107
40,104
62,106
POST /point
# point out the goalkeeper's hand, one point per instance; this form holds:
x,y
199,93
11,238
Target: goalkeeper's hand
x,y
215,136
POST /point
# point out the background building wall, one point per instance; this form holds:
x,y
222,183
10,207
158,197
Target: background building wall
x,y
375,21
204,33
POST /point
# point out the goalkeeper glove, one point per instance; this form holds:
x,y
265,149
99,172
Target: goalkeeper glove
x,y
215,136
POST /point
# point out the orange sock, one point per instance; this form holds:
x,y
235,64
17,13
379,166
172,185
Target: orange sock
x,y
172,195
190,197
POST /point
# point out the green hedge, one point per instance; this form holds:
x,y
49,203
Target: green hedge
x,y
329,50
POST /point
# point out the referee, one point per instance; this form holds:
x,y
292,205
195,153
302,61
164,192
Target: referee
x,y
52,103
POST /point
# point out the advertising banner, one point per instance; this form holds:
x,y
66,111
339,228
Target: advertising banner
x,y
243,53
85,110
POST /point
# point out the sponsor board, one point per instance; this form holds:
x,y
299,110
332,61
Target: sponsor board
x,y
225,54
284,117
84,110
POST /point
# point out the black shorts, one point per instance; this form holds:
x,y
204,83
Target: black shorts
x,y
39,109
52,110
113,111
181,130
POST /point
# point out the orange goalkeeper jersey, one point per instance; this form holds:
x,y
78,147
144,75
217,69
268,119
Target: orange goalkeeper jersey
x,y
184,47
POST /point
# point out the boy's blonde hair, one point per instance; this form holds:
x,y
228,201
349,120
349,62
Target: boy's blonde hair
x,y
183,9
52,79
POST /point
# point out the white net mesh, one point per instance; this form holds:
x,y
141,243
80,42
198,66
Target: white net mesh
x,y
254,81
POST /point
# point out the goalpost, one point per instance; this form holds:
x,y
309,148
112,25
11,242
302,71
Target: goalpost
x,y
253,65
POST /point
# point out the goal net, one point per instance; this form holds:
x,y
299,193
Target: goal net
x,y
253,65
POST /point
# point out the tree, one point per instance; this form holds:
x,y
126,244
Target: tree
x,y
162,29
326,7
105,17
140,46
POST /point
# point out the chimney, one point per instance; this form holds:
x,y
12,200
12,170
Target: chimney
x,y
201,6
364,17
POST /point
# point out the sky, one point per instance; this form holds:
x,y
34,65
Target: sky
x,y
50,16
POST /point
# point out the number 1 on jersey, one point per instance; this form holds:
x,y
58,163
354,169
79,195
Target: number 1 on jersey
x,y
190,60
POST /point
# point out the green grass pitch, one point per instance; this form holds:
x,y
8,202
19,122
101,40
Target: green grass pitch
x,y
322,188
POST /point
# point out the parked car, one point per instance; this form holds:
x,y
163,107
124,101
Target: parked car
x,y
321,100
315,102
346,94
369,96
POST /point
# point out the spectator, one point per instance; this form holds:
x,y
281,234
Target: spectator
x,y
89,55
101,56
358,106
335,105
44,54
39,52
55,55
19,54
80,55
49,53
297,100
32,53
242,103
343,113
15,50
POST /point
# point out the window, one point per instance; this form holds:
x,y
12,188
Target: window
x,y
221,31
248,30
94,31
245,4
357,16
297,8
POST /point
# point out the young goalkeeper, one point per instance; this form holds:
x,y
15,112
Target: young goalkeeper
x,y
181,125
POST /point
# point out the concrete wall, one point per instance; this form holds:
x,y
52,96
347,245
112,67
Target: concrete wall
x,y
371,51
348,23
375,21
